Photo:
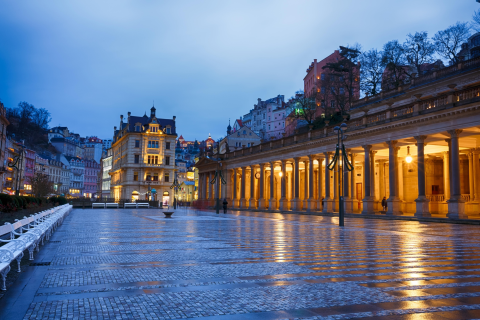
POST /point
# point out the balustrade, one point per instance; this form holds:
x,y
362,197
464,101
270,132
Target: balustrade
x,y
467,94
433,103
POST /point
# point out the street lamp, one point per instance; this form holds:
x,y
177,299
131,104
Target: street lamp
x,y
408,159
218,174
338,160
174,186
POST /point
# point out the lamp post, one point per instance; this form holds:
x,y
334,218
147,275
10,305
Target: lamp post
x,y
218,174
148,182
174,186
340,154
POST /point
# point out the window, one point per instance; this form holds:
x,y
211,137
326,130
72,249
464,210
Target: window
x,y
155,177
342,91
168,130
268,117
264,116
332,103
248,144
250,133
167,161
167,145
153,144
137,128
322,76
137,143
152,159
148,177
333,89
167,177
135,176
332,78
323,90
137,158
244,131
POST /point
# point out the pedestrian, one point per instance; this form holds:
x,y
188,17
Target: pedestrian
x,y
384,204
225,205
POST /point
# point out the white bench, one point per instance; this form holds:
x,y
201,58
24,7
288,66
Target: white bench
x,y
129,205
111,205
145,205
38,227
97,204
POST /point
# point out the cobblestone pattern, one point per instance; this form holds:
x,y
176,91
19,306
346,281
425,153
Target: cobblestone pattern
x,y
244,263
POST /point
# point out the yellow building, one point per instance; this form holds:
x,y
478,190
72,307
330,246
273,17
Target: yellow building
x,y
143,151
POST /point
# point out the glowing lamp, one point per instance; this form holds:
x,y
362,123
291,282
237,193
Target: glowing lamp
x,y
409,157
280,174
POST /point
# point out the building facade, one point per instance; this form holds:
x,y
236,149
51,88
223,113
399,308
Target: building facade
x,y
93,149
77,176
105,175
59,176
92,168
417,146
242,138
143,154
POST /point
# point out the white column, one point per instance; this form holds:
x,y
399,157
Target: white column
x,y
261,199
446,175
456,205
312,204
393,201
252,202
327,202
353,185
422,203
320,185
283,178
368,199
296,178
272,205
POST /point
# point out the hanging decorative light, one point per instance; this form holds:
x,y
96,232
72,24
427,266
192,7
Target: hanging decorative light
x,y
280,173
408,157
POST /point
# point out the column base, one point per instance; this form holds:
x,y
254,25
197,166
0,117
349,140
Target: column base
x,y
236,203
283,205
347,205
327,206
368,206
423,210
311,205
243,203
354,205
305,204
261,204
319,205
296,204
456,209
272,204
394,207
252,204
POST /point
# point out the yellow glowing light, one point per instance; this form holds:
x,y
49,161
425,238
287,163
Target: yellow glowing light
x,y
280,173
408,157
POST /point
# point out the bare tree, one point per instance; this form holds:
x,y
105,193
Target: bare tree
x,y
475,24
344,76
41,185
394,60
371,71
449,41
418,50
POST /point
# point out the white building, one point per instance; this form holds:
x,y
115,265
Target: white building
x,y
242,138
106,179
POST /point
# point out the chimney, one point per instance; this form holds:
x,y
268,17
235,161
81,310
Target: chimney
x,y
121,121
129,114
174,117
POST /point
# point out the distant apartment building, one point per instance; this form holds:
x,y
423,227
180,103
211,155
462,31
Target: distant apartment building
x,y
106,166
92,168
59,176
29,171
93,148
265,119
77,172
239,139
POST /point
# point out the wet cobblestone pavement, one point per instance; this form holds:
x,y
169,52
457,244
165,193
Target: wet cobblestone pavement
x,y
135,264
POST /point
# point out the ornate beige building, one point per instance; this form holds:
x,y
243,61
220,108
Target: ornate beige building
x,y
418,146
143,158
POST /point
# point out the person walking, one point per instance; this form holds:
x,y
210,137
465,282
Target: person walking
x,y
384,204
225,203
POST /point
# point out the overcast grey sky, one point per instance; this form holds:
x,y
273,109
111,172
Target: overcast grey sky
x,y
203,61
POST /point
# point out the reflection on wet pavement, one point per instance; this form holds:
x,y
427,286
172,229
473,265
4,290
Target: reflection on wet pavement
x,y
135,264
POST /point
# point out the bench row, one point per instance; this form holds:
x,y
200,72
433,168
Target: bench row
x,y
116,205
28,234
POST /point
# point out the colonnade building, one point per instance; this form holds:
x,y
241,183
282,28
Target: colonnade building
x,y
418,146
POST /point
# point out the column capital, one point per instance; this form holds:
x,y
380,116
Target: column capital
x,y
420,139
454,133
296,159
262,165
382,161
391,143
311,157
327,154
373,153
367,147
475,150
284,161
252,167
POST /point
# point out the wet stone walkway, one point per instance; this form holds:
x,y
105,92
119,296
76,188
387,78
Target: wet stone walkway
x,y
135,264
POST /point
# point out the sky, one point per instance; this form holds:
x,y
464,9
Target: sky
x,y
205,62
